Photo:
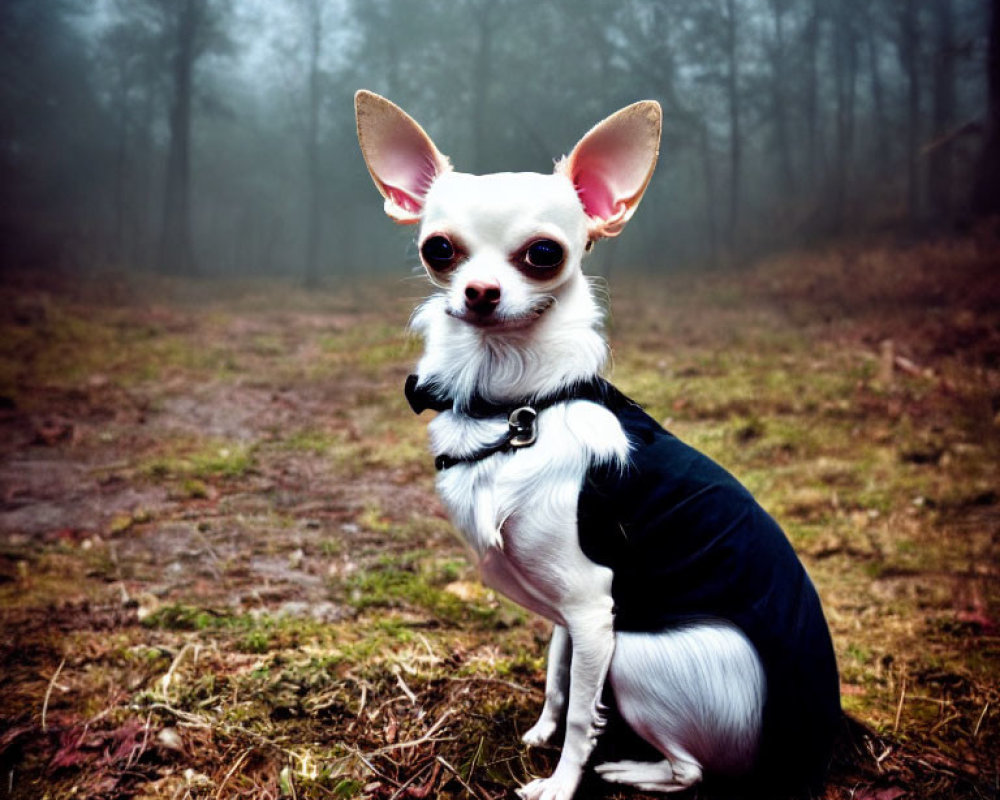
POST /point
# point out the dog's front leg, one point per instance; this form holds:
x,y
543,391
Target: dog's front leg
x,y
556,690
589,624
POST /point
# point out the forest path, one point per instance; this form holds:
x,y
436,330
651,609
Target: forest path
x,y
224,572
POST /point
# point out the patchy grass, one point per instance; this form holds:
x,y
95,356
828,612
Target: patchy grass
x,y
223,572
200,460
421,582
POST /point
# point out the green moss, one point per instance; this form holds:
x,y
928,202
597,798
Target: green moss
x,y
348,787
195,488
255,641
371,345
227,461
184,618
417,581
68,345
314,441
373,519
197,461
858,652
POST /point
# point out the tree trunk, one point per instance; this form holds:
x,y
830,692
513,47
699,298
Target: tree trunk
x,y
708,177
779,100
845,67
482,80
176,253
314,16
735,133
811,40
909,53
121,166
144,229
943,113
986,191
882,149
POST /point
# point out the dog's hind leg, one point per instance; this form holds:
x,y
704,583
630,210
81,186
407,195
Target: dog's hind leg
x,y
673,774
696,694
556,690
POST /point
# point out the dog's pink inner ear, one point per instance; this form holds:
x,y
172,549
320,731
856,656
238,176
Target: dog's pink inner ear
x,y
610,167
593,188
613,163
406,173
402,159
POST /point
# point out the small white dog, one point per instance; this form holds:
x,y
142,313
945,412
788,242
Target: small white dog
x,y
664,578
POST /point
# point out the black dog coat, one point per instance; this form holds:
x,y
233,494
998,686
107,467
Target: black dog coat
x,y
687,542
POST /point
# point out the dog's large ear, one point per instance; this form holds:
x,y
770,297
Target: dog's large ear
x,y
401,158
611,166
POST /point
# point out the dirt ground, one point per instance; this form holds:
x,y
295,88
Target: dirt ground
x,y
224,572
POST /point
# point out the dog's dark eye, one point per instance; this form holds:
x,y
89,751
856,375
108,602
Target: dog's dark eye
x,y
439,253
544,254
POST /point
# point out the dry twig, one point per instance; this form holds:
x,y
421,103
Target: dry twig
x,y
458,777
238,763
169,676
979,722
427,737
48,694
899,707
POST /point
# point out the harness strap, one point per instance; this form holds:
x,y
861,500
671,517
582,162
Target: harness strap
x,y
521,417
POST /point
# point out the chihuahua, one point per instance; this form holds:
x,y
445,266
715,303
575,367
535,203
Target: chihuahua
x,y
678,603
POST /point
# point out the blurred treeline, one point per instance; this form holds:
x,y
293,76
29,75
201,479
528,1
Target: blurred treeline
x,y
217,136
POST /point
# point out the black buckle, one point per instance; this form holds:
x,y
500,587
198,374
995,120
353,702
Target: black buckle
x,y
522,426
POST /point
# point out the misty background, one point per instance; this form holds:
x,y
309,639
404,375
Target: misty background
x,y
216,137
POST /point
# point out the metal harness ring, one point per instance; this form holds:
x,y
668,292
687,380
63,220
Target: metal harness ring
x,y
522,426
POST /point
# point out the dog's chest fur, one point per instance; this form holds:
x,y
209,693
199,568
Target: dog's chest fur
x,y
518,510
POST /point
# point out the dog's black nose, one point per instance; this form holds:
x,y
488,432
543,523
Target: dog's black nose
x,y
482,297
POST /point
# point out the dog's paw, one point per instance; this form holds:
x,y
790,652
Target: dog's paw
x,y
652,776
541,734
548,789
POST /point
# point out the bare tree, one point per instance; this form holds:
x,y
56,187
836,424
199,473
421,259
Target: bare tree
x,y
190,29
312,16
176,254
880,119
734,100
908,45
845,69
128,62
484,16
943,109
811,35
783,118
779,97
986,191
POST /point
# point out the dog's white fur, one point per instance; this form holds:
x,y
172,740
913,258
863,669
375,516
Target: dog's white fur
x,y
695,693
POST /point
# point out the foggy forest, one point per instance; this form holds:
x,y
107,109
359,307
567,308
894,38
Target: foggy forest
x,y
216,137
224,568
